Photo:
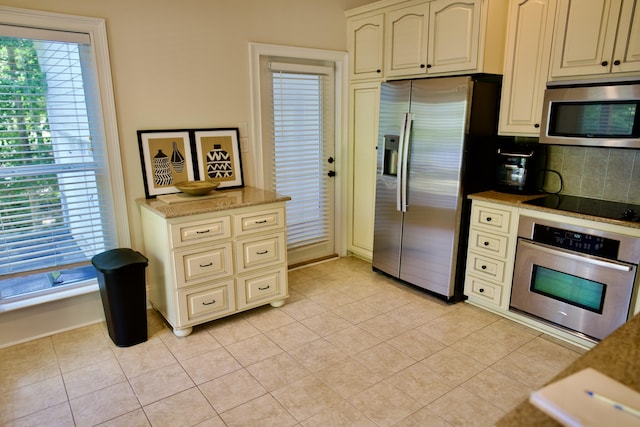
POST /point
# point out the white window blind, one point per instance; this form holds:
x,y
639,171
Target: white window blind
x,y
54,186
299,166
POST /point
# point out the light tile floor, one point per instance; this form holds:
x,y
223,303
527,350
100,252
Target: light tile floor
x,y
350,348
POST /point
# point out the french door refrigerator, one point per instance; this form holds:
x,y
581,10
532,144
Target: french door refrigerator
x,y
436,144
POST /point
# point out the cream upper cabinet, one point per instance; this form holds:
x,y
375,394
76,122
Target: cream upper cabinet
x,y
406,43
426,37
627,48
366,43
529,37
596,38
454,33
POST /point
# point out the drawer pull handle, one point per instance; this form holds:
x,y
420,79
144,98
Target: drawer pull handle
x,y
203,231
481,290
209,303
206,265
262,221
484,267
265,288
262,253
486,243
488,219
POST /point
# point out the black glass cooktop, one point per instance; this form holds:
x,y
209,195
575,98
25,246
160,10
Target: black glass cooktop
x,y
587,206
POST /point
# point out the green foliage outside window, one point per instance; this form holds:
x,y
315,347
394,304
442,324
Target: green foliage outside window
x,y
25,141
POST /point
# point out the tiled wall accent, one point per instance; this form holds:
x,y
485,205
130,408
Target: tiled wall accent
x,y
603,173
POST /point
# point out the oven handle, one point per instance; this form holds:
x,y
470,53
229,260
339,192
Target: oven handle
x,y
581,257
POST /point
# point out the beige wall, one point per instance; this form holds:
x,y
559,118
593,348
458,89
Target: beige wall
x,y
185,63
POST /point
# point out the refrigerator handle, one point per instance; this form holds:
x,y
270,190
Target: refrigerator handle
x,y
400,162
405,162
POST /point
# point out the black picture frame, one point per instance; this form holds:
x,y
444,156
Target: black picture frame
x,y
167,158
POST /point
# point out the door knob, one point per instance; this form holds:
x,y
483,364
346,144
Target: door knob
x,y
330,160
331,174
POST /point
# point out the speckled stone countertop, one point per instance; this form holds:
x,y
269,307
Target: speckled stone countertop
x,y
217,201
617,356
517,201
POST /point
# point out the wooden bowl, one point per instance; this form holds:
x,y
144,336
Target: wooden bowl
x,y
197,188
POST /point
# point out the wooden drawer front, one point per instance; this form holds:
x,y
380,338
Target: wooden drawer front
x,y
493,219
260,288
201,231
204,264
487,291
207,301
491,244
253,222
488,268
260,252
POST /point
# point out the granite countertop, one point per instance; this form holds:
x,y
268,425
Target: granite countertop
x,y
517,200
218,200
617,356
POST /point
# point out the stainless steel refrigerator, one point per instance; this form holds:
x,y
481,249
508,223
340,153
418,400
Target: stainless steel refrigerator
x,y
436,144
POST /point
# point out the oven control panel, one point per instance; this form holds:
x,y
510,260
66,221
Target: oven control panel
x,y
577,242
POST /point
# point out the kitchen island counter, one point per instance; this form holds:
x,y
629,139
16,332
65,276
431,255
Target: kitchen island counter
x,y
180,205
617,356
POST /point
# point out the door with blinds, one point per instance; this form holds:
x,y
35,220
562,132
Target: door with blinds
x,y
300,155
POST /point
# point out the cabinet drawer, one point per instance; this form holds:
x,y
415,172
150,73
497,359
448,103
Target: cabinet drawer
x,y
201,231
492,219
207,301
253,222
490,244
486,267
203,264
260,252
488,292
261,288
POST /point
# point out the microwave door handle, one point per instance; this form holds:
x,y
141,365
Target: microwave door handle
x,y
405,161
600,263
400,163
515,154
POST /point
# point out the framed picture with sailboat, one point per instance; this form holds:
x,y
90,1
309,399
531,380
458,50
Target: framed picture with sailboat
x,y
166,160
218,156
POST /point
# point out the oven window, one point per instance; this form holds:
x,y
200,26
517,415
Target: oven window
x,y
595,119
567,288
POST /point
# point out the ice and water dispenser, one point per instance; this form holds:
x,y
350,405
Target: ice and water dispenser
x,y
390,161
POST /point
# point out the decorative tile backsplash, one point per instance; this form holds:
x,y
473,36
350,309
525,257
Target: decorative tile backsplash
x,y
603,173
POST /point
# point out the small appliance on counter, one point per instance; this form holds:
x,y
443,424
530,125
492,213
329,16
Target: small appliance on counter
x,y
520,168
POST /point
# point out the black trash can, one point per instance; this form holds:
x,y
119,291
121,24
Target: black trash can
x,y
121,277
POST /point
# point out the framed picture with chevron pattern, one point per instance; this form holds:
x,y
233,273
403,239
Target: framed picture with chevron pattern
x,y
166,157
218,156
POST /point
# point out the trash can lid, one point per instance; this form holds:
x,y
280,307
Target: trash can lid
x,y
117,258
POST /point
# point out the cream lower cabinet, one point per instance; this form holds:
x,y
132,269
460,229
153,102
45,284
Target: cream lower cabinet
x,y
203,267
491,255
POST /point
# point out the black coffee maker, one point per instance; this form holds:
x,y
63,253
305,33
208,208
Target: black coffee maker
x,y
520,168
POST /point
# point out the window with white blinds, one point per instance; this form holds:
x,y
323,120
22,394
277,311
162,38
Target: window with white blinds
x,y
55,204
302,134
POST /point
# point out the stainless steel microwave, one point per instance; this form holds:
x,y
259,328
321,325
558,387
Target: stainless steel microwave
x,y
601,115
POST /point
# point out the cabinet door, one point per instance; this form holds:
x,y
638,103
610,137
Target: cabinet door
x,y
585,36
626,56
529,36
363,140
366,43
454,33
406,42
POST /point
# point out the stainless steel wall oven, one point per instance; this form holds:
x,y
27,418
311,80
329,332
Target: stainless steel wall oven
x,y
580,279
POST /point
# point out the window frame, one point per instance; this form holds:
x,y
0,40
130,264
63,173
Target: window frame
x,y
96,29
